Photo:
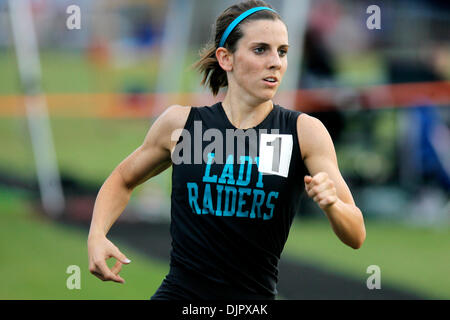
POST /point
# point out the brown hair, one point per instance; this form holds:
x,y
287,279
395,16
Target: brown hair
x,y
213,74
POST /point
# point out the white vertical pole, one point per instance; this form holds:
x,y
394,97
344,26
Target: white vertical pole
x,y
175,45
36,106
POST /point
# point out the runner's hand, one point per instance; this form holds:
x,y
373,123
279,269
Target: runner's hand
x,y
321,189
101,249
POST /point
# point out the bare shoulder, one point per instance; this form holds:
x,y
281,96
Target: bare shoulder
x,y
306,123
175,116
313,136
160,132
167,128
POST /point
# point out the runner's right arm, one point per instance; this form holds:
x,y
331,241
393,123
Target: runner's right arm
x,y
150,159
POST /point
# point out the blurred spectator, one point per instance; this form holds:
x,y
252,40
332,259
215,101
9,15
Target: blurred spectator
x,y
318,70
426,140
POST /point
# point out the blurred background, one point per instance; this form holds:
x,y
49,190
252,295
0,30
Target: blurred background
x,y
75,102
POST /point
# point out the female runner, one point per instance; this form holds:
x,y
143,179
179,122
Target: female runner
x,y
239,168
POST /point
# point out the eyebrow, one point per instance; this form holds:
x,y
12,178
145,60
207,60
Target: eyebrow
x,y
267,45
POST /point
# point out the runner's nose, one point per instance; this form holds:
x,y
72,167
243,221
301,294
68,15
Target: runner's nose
x,y
274,60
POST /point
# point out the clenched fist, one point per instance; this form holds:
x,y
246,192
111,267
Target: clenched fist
x,y
321,189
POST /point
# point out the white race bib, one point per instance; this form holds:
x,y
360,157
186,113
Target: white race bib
x,y
275,152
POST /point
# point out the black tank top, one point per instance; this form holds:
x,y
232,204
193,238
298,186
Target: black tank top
x,y
232,206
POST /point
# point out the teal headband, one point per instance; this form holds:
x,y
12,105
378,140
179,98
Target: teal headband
x,y
238,20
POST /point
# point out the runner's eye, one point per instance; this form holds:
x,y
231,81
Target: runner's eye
x,y
282,52
258,50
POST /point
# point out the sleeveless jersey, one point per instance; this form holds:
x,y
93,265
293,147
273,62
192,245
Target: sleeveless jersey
x,y
234,196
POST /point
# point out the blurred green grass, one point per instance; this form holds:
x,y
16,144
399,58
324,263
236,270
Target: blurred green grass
x,y
412,258
36,253
73,72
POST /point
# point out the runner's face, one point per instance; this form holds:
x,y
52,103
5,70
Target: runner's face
x,y
261,53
